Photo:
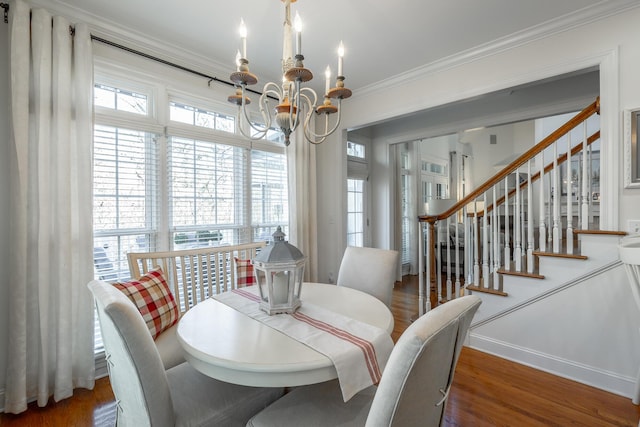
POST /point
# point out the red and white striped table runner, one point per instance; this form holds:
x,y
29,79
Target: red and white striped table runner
x,y
358,350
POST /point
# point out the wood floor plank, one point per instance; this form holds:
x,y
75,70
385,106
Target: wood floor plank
x,y
487,391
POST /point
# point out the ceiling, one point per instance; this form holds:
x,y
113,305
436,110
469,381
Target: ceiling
x,y
382,39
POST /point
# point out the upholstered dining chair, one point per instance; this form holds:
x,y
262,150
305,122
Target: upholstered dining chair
x,y
414,386
146,394
370,270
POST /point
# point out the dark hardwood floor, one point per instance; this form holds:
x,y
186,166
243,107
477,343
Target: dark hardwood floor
x,y
487,391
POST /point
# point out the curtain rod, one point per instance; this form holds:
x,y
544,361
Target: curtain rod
x,y
5,6
171,64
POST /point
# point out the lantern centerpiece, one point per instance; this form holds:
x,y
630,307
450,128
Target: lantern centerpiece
x,y
279,269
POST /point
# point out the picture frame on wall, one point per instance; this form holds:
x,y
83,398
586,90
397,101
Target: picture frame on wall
x,y
631,126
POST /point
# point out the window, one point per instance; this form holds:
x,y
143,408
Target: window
x,y
183,183
355,212
199,117
407,215
120,99
357,175
205,189
269,194
356,150
124,172
272,134
435,180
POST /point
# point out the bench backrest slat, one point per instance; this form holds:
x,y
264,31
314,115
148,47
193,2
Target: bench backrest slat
x,y
195,274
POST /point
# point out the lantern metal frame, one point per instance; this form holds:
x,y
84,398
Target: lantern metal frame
x,y
279,271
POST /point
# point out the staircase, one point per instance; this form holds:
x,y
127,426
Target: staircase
x,y
514,239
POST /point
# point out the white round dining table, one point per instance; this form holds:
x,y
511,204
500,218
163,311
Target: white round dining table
x,y
230,346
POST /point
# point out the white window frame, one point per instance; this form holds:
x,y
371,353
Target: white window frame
x,y
156,122
358,169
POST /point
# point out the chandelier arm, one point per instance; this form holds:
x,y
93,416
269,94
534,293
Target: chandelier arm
x,y
311,105
312,92
312,137
256,137
247,120
294,120
260,133
264,112
242,110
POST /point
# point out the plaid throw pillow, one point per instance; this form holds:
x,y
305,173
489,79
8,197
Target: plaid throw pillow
x,y
244,272
151,295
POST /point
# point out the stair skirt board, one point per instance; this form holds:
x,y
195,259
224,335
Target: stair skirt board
x,y
512,308
530,343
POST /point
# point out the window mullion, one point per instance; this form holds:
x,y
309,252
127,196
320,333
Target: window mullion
x,y
160,198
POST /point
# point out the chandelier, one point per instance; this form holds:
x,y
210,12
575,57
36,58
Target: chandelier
x,y
293,99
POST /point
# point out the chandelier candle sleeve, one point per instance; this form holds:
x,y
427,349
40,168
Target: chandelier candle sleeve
x,y
340,57
243,38
298,25
327,75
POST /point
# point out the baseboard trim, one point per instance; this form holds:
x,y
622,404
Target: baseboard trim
x,y
588,375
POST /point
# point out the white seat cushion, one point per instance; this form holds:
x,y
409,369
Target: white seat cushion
x,y
170,350
316,405
195,395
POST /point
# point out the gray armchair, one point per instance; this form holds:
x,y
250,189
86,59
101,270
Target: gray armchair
x,y
414,386
146,394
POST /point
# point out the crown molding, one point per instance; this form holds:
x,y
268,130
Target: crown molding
x,y
561,24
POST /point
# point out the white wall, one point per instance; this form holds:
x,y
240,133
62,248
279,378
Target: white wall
x,y
4,205
603,348
610,45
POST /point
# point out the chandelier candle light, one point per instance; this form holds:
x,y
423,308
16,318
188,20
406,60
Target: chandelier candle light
x,y
292,97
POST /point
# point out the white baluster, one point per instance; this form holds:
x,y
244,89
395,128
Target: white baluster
x,y
530,242
485,245
542,238
476,246
458,272
585,181
496,239
556,201
421,285
569,197
517,251
438,264
507,225
448,247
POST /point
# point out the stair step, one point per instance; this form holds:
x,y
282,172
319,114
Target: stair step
x,y
520,274
604,232
559,255
486,290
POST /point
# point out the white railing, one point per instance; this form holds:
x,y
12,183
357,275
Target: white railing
x,y
492,230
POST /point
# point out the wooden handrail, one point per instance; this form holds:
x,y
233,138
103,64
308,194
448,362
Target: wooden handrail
x,y
525,157
536,176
